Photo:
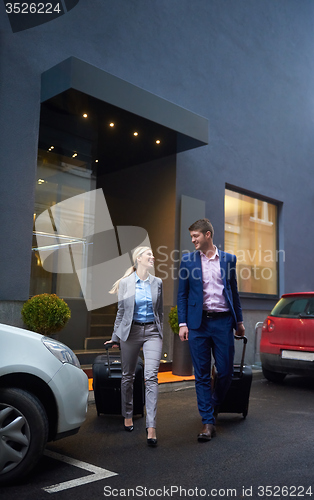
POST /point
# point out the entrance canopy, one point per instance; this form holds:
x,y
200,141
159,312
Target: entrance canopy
x,y
120,124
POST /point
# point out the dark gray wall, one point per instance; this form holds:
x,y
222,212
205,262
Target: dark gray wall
x,y
255,84
247,66
144,196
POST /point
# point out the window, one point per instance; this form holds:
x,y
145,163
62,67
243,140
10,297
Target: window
x,y
65,169
292,307
251,234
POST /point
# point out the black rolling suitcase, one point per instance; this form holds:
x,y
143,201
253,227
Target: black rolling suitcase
x,y
107,384
237,397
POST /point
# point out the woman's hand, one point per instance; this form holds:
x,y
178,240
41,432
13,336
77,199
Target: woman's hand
x,y
111,343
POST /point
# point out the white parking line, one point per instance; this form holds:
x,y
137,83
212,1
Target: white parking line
x,y
97,473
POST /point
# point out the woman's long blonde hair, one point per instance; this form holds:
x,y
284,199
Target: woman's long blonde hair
x,y
137,253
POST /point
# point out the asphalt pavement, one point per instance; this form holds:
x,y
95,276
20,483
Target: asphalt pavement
x,y
267,455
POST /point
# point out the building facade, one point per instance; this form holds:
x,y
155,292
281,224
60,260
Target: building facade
x,y
174,111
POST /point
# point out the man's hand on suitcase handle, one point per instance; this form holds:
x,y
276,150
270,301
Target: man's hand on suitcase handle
x,y
111,343
241,337
240,330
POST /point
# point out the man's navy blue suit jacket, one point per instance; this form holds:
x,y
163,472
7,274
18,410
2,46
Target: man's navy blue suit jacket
x,y
190,293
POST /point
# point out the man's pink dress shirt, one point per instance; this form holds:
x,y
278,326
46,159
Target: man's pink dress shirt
x,y
213,297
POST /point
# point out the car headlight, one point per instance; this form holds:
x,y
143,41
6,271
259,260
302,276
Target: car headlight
x,y
61,351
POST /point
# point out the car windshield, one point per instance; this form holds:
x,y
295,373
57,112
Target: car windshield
x,y
292,307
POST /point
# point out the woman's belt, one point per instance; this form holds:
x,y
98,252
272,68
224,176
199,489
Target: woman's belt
x,y
143,324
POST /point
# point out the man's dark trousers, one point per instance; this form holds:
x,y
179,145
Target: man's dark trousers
x,y
215,335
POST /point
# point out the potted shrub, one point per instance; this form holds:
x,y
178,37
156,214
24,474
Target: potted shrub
x,y
46,314
182,362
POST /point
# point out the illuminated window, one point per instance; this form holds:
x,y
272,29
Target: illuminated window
x,y
251,234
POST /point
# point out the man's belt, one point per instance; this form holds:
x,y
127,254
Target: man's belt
x,y
216,314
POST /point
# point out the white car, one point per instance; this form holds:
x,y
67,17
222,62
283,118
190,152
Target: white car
x,y
43,397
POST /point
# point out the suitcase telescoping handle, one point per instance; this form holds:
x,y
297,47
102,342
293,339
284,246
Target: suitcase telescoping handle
x,y
107,347
244,338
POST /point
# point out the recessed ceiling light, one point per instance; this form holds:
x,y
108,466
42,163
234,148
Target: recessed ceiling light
x,y
111,124
85,115
96,161
158,141
135,133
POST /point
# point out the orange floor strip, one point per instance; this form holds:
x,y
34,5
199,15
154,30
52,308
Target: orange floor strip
x,y
163,378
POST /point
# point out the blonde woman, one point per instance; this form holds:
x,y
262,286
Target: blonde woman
x,y
139,323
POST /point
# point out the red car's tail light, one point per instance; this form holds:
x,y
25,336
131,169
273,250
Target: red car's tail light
x,y
268,325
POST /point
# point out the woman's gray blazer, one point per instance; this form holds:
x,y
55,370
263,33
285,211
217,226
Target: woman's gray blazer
x,y
126,301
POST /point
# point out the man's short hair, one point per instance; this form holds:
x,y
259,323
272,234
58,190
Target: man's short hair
x,y
202,225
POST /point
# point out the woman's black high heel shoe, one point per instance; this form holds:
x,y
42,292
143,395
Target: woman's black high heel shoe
x,y
151,441
128,428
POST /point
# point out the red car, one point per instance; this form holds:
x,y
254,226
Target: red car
x,y
287,341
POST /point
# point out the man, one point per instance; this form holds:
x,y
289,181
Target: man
x,y
209,310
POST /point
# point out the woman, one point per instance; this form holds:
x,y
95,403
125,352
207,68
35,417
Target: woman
x,y
139,323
